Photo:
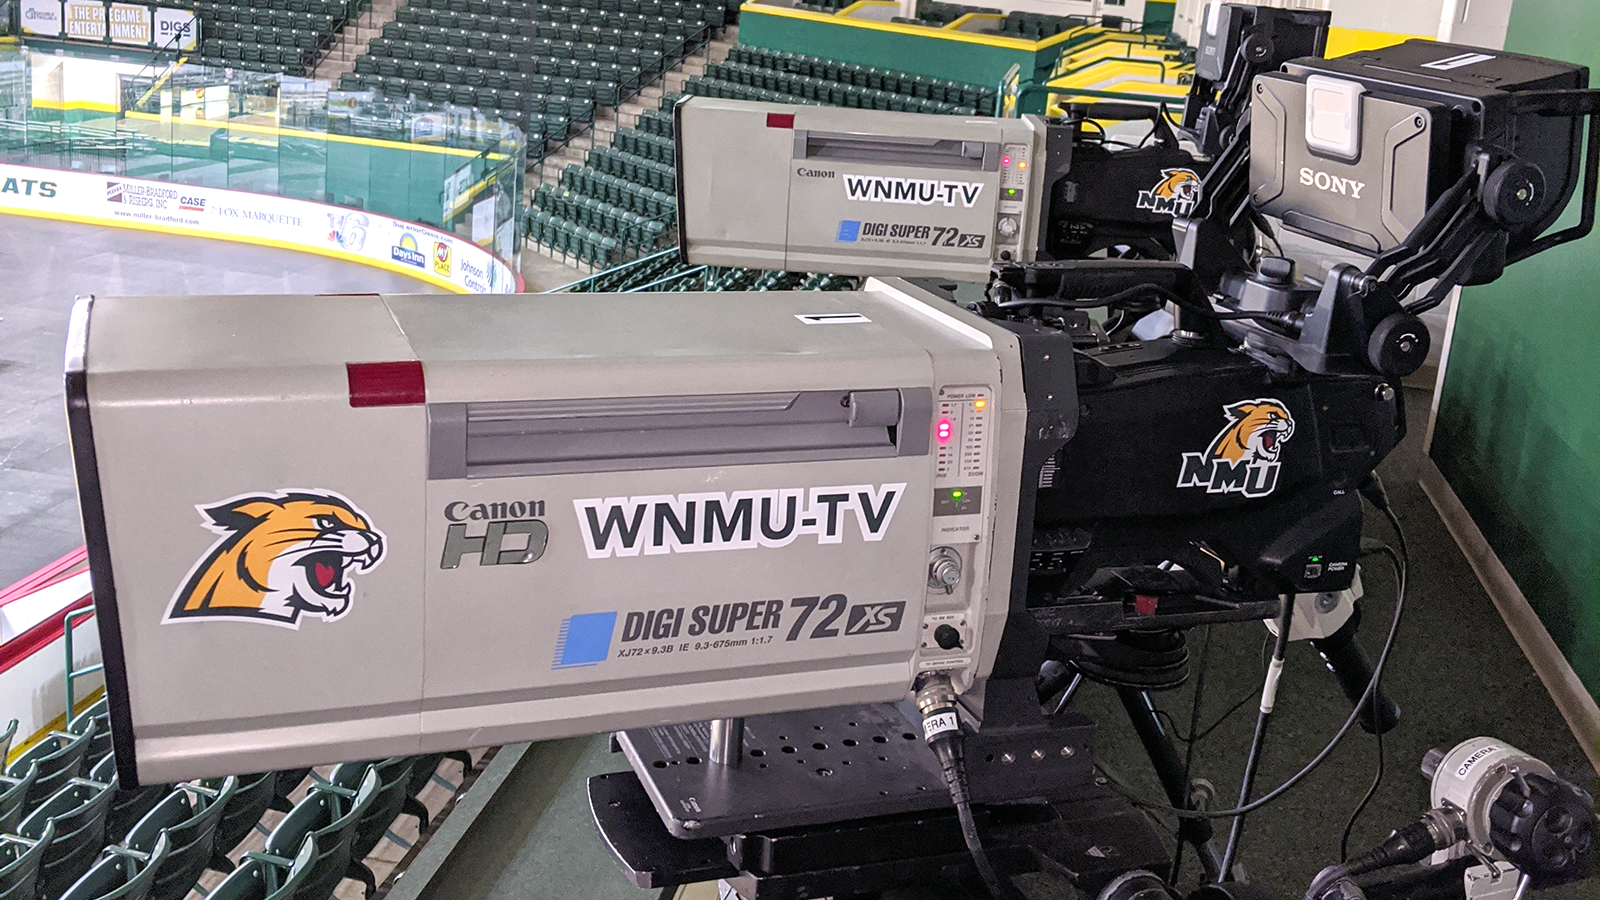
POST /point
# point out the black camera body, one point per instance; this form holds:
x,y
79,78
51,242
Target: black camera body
x,y
1197,484
1103,197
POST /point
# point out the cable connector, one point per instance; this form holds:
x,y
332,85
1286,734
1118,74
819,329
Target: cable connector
x,y
941,728
1372,488
1438,829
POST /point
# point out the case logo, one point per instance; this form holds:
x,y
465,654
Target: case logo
x,y
915,191
280,556
1332,184
513,534
1243,459
1174,195
689,523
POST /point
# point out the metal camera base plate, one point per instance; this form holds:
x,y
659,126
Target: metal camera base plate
x,y
1092,837
838,764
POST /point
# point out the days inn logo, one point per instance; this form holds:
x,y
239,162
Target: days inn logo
x,y
408,252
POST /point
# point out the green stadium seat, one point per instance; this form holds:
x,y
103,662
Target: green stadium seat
x,y
19,864
120,875
127,807
328,815
14,790
75,816
284,783
251,799
394,777
263,877
60,757
187,822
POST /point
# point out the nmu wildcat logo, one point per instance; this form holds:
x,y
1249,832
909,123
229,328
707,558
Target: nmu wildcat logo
x,y
280,556
1243,459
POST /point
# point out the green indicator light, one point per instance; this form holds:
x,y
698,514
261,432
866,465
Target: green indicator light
x,y
955,495
1011,192
1316,559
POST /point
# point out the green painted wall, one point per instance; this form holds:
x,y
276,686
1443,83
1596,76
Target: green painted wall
x,y
1518,433
972,63
1158,16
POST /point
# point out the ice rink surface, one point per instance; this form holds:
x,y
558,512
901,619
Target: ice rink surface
x,y
44,265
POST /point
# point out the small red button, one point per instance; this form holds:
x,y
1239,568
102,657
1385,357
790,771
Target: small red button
x,y
1145,605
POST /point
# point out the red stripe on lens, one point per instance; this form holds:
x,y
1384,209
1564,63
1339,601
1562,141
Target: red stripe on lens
x,y
386,383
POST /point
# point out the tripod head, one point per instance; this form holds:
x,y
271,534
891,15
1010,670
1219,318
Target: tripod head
x,y
1442,164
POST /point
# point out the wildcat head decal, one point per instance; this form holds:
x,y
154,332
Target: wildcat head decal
x,y
1243,458
1174,195
280,556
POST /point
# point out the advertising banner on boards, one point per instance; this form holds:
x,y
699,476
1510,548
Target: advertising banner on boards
x,y
175,28
41,17
428,254
85,20
128,24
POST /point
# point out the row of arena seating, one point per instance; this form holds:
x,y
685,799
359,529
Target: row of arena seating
x,y
620,192
746,82
620,72
555,20
850,84
520,52
525,38
571,239
516,8
1028,25
1038,26
544,107
275,36
606,211
544,66
68,831
825,6
664,271
618,205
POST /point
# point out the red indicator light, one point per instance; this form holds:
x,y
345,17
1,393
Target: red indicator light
x,y
780,120
945,429
1005,160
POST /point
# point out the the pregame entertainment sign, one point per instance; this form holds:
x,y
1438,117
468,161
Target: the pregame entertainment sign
x,y
127,24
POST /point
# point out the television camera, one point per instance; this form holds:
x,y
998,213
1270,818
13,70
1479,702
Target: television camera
x,y
832,565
